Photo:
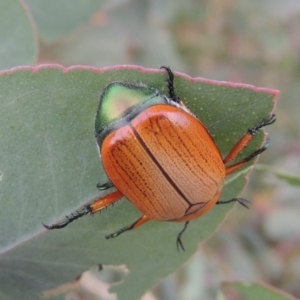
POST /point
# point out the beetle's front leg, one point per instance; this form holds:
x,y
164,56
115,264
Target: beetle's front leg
x,y
92,208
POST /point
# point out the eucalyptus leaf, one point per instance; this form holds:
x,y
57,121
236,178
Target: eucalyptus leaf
x,y
50,166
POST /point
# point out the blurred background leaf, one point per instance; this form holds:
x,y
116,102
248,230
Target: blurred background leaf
x,y
239,290
18,45
56,18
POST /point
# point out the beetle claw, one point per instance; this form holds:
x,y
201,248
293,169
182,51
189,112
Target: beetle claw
x,y
243,202
104,186
69,219
179,244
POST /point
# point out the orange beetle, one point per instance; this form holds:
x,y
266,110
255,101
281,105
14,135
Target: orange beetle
x,y
160,156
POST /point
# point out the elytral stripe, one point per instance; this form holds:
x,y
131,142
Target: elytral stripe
x,y
168,178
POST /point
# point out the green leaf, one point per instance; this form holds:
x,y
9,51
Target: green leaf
x,y
242,290
49,167
17,36
291,179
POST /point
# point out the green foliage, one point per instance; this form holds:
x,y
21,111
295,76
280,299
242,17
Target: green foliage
x,y
253,291
50,167
291,179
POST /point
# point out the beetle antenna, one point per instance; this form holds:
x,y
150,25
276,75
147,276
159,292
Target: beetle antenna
x,y
170,82
179,242
241,201
69,219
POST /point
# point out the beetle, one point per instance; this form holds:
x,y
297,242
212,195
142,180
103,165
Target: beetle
x,y
160,156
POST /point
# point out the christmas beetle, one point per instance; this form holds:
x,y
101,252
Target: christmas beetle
x,y
160,156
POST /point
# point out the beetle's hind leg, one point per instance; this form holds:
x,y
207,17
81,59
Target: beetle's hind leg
x,y
92,208
242,201
134,225
178,241
242,143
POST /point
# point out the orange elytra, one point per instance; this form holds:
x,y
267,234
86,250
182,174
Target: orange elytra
x,y
160,156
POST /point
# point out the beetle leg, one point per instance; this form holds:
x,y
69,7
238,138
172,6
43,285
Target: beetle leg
x,y
92,208
104,186
179,242
105,201
242,201
246,139
231,169
136,224
242,143
69,219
